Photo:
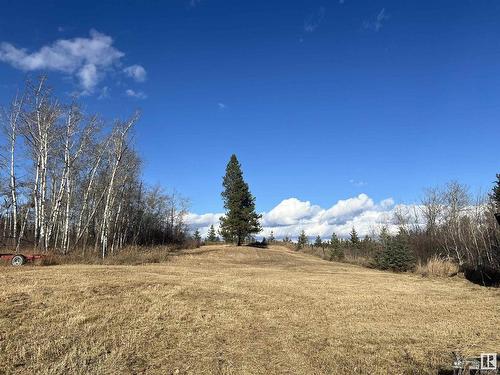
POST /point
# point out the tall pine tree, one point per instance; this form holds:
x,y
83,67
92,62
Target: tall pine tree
x,y
302,240
240,220
354,237
211,235
334,241
318,242
197,237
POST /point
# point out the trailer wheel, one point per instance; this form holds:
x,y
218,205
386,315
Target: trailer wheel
x,y
17,260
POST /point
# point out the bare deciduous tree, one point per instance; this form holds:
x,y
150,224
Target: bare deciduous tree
x,y
78,183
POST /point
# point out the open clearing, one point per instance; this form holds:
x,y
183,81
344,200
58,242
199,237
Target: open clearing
x,y
228,310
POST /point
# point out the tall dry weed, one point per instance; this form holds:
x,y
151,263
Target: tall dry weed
x,y
437,266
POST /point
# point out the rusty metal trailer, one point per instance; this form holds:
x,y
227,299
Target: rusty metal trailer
x,y
20,259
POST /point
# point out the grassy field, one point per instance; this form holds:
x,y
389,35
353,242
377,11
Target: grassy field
x,y
228,310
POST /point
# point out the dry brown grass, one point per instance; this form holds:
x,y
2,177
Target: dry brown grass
x,y
226,310
128,256
437,266
133,255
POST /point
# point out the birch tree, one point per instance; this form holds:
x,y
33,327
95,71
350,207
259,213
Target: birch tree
x,y
81,181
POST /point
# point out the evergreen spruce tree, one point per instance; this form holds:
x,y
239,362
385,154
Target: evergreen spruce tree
x,y
240,220
396,254
302,240
354,237
211,235
336,253
318,242
226,235
334,241
384,235
197,237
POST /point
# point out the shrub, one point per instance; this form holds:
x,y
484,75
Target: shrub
x,y
302,241
260,244
437,266
336,253
395,255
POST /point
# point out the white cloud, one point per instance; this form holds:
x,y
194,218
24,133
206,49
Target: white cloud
x,y
387,203
290,211
87,59
345,210
137,72
292,215
135,94
203,222
377,24
221,106
312,22
88,77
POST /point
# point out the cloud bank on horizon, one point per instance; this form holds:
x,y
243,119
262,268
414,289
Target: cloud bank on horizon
x,y
87,59
292,215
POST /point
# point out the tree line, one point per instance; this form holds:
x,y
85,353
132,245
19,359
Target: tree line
x,y
70,181
449,223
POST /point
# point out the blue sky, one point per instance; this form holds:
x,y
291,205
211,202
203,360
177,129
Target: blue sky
x,y
321,100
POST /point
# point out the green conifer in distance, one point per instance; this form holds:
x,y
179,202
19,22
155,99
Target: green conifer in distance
x,y
334,241
335,244
318,242
302,240
354,238
396,254
384,235
197,237
211,235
